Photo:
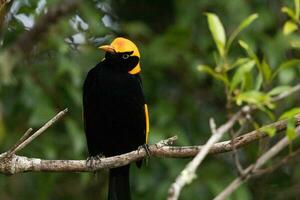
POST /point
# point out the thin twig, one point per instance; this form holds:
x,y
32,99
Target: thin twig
x,y
41,130
212,125
21,140
169,141
235,152
276,166
287,93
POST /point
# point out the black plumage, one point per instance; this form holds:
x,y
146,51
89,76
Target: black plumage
x,y
114,115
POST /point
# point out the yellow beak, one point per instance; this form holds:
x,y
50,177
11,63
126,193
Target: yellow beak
x,y
107,48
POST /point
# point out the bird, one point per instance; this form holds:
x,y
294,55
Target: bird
x,y
115,113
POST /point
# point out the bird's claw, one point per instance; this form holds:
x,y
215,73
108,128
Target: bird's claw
x,y
92,161
147,150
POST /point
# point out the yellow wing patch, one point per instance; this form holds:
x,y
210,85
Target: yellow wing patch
x,y
147,122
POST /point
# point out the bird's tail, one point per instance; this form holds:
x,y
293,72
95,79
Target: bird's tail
x,y
119,188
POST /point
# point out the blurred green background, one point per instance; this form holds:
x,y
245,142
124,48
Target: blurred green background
x,y
173,37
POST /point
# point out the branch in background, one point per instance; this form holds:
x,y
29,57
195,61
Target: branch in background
x,y
28,138
27,40
13,164
287,93
276,166
188,174
13,150
235,156
249,171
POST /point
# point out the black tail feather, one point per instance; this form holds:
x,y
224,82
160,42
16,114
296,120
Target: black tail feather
x,y
119,188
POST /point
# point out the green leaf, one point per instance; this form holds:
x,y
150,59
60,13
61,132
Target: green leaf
x,y
259,82
217,30
210,71
244,24
271,131
279,89
297,9
263,67
244,45
249,51
289,27
295,42
290,113
289,12
267,111
238,62
6,67
240,74
257,98
287,76
290,130
247,84
285,65
266,69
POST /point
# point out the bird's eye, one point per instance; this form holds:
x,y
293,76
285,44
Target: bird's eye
x,y
125,56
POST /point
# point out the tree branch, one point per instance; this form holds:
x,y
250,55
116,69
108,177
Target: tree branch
x,y
285,160
14,164
286,93
28,139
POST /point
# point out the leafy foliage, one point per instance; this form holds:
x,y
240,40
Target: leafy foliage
x,y
246,48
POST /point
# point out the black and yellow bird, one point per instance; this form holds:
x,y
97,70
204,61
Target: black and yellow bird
x,y
115,113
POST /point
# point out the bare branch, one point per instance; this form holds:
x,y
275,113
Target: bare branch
x,y
221,147
41,130
22,139
235,152
276,166
18,164
287,93
212,125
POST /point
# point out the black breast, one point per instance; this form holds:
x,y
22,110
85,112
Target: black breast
x,y
114,117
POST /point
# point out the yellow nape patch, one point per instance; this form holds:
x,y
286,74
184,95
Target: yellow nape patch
x,y
135,70
147,123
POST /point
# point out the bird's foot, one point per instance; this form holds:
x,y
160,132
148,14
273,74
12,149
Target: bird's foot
x,y
92,161
147,150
